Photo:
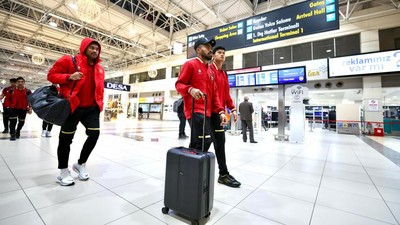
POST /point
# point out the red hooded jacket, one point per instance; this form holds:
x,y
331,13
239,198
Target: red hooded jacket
x,y
64,67
198,75
221,81
6,102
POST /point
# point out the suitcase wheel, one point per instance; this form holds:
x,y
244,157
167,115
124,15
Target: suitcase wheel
x,y
195,222
207,215
165,210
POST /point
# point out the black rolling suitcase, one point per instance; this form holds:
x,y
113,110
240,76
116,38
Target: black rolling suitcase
x,y
189,182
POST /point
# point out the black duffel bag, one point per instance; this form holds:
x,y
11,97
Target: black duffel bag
x,y
49,106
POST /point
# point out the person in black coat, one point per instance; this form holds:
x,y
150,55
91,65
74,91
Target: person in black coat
x,y
246,110
182,121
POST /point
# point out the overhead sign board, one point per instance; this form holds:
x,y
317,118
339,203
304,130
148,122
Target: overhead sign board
x,y
296,20
364,64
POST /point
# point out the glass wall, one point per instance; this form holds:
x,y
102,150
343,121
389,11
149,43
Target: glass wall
x,y
144,76
389,39
250,60
301,52
348,45
283,55
176,70
333,47
265,57
118,80
228,65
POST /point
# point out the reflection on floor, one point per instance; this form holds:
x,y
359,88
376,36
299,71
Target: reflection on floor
x,y
328,179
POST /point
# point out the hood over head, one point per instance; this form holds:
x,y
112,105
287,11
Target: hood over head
x,y
85,43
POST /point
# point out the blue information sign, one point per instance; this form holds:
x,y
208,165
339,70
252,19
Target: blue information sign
x,y
293,75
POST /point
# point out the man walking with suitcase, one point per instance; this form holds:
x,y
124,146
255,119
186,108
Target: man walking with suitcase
x,y
196,82
217,131
196,85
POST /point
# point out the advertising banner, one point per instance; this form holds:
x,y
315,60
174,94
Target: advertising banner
x,y
364,64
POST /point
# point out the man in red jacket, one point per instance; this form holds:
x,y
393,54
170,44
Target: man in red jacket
x,y
6,104
86,100
196,81
217,131
18,106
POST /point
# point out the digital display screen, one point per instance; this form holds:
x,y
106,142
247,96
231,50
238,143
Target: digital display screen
x,y
144,106
245,79
232,80
293,75
267,77
155,108
304,18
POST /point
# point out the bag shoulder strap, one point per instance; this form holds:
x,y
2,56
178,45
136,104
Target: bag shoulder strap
x,y
76,69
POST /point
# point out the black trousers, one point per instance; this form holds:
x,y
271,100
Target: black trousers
x,y
247,124
90,119
218,139
47,126
197,137
182,124
6,117
14,115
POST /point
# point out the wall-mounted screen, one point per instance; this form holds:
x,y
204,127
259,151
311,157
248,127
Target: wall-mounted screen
x,y
293,75
155,108
245,79
232,80
145,107
267,77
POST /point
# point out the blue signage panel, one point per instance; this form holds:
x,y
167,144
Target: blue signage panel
x,y
292,75
232,80
296,20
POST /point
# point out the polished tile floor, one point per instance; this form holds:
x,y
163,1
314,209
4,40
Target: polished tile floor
x,y
329,179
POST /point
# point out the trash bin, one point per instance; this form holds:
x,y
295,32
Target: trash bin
x,y
378,132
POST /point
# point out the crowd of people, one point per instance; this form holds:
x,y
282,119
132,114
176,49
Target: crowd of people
x,y
81,80
15,107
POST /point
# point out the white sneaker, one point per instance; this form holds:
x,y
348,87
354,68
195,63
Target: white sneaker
x,y
65,178
48,134
44,133
81,170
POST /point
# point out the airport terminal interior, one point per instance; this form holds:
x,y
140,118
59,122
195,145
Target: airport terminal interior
x,y
332,64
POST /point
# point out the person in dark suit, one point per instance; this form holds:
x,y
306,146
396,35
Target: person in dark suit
x,y
182,121
246,110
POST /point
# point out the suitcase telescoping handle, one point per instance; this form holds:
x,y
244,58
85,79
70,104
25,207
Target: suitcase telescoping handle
x,y
204,121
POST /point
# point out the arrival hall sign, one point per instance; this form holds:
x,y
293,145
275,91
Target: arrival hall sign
x,y
308,17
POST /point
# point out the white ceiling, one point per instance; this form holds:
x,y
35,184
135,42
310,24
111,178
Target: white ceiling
x,y
129,37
